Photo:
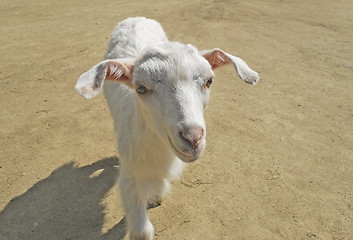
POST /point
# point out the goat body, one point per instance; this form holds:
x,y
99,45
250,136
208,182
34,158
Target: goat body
x,y
156,91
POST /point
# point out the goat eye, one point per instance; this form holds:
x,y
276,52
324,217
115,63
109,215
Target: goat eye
x,y
209,82
141,89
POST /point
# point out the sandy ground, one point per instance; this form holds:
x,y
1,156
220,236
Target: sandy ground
x,y
279,159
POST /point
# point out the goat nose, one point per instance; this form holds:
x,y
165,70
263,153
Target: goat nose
x,y
193,135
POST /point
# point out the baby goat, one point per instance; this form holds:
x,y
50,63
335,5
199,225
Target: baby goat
x,y
156,91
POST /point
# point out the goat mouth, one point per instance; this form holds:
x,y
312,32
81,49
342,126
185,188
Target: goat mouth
x,y
186,157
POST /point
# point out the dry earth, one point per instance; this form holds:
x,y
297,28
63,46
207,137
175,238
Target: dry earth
x,y
279,160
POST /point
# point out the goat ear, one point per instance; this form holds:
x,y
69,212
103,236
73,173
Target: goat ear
x,y
218,57
89,83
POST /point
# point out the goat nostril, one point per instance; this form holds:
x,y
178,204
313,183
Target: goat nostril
x,y
184,135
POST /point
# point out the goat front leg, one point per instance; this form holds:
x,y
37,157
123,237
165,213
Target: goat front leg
x,y
135,203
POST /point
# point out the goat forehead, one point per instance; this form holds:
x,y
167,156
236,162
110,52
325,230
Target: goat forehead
x,y
173,62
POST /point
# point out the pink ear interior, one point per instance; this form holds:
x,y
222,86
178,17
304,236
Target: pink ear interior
x,y
216,58
119,71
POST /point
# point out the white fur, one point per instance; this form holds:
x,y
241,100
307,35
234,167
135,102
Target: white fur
x,y
160,130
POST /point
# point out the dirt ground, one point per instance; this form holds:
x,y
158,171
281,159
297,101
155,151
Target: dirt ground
x,y
279,156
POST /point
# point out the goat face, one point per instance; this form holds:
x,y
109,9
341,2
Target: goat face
x,y
171,83
172,86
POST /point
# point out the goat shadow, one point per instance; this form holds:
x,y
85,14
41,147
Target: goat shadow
x,y
64,206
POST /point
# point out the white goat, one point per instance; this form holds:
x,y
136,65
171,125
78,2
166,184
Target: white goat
x,y
156,91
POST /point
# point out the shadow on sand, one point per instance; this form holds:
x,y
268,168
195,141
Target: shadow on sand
x,y
64,206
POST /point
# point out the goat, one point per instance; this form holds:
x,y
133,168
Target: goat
x,y
156,91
